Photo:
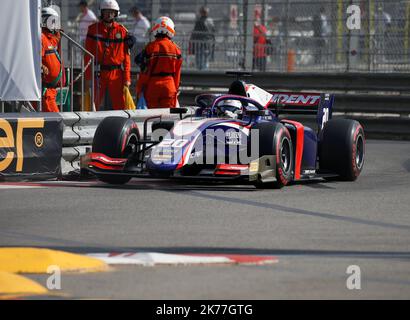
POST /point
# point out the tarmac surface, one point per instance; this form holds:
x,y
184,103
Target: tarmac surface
x,y
316,230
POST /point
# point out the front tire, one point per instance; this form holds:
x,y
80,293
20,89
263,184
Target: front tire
x,y
116,137
275,139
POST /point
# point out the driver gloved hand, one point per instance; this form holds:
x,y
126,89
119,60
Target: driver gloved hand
x,y
231,114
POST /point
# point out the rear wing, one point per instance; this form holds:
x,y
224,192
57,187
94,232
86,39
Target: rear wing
x,y
300,103
304,104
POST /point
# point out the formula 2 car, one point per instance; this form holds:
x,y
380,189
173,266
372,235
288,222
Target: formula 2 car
x,y
235,136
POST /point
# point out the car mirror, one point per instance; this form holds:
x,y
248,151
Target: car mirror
x,y
179,111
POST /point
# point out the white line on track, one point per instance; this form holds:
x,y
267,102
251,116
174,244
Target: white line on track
x,y
139,183
6,186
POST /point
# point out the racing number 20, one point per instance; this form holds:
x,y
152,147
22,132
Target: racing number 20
x,y
9,142
179,143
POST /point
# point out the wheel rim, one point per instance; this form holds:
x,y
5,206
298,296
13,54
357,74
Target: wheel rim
x,y
131,145
359,152
285,155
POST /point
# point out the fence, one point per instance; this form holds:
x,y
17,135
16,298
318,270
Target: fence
x,y
301,39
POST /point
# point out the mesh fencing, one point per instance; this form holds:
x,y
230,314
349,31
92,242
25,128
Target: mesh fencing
x,y
301,35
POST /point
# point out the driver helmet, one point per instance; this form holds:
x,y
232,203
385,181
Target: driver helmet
x,y
230,108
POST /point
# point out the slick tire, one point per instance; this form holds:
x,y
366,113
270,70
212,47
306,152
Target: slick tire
x,y
274,139
342,148
116,137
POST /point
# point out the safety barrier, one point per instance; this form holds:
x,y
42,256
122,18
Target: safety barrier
x,y
355,92
386,127
30,145
347,103
357,81
80,127
349,81
364,93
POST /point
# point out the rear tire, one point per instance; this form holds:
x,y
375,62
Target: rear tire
x,y
342,148
116,137
274,139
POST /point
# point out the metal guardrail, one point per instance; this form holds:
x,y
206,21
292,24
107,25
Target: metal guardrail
x,y
366,82
389,128
79,129
346,103
355,92
347,82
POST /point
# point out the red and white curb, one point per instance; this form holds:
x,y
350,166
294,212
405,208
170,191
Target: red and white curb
x,y
153,258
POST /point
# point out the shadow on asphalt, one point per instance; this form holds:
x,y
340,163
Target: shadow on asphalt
x,y
406,165
402,255
180,184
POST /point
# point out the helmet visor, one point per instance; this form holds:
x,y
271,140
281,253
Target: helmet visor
x,y
108,15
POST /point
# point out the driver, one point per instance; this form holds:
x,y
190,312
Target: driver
x,y
229,109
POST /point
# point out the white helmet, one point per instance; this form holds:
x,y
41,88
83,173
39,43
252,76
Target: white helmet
x,y
232,104
110,5
50,18
163,25
230,108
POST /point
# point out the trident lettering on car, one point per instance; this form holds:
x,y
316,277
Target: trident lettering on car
x,y
294,99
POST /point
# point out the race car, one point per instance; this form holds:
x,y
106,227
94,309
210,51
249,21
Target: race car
x,y
240,136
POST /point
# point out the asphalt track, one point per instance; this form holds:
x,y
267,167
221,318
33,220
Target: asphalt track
x,y
315,229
